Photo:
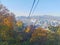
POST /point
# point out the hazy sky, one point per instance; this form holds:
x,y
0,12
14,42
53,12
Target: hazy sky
x,y
22,7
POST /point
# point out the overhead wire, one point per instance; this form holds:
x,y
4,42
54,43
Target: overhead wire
x,y
35,7
32,8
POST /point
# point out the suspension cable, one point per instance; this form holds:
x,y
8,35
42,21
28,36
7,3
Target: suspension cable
x,y
32,8
35,6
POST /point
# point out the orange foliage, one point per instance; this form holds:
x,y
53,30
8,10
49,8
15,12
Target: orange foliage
x,y
27,29
19,23
8,22
39,32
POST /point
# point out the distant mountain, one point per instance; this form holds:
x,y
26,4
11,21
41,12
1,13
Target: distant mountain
x,y
42,17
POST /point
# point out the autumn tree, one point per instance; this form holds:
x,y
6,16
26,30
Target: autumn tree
x,y
7,17
7,26
20,26
58,36
52,28
39,36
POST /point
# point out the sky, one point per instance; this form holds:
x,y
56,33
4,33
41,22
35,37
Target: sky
x,y
22,7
